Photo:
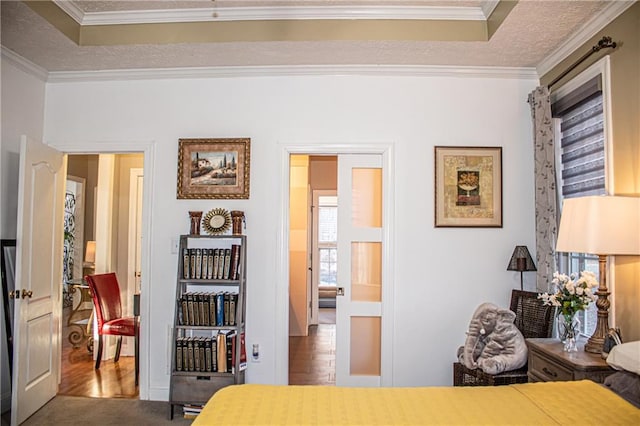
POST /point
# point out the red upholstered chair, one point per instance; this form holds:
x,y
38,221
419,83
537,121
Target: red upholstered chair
x,y
105,292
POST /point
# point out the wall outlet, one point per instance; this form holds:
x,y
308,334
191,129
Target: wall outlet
x,y
255,352
175,243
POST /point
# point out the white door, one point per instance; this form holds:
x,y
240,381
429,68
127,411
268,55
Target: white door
x,y
36,363
359,329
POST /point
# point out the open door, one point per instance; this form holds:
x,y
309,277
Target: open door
x,y
36,361
359,329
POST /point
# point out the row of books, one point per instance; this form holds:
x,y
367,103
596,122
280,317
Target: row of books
x,y
211,263
215,309
210,354
191,411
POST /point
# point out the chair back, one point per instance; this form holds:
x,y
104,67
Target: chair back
x,y
533,319
105,292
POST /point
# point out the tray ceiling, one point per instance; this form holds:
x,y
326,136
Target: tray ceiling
x,y
112,35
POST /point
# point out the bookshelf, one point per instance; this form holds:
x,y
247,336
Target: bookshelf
x,y
208,348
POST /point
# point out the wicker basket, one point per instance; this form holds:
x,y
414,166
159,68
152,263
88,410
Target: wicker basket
x,y
463,376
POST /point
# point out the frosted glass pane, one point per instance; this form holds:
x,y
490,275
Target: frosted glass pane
x,y
366,272
365,346
366,193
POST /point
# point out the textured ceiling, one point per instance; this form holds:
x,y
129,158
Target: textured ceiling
x,y
529,34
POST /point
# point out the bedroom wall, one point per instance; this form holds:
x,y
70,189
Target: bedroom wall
x,y
22,114
441,274
625,110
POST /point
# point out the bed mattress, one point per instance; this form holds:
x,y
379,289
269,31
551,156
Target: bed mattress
x,y
551,403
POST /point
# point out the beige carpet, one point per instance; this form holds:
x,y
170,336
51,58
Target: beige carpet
x,y
73,410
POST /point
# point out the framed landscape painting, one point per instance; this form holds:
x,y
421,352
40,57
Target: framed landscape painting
x,y
213,168
468,186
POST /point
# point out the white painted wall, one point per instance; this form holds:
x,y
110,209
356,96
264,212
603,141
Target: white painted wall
x,y
441,274
22,113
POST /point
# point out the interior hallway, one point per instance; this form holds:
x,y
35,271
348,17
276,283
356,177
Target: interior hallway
x,y
312,358
80,378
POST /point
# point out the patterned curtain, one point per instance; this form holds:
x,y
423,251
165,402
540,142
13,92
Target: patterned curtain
x,y
545,190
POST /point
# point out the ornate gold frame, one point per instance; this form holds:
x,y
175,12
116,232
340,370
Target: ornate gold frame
x,y
199,178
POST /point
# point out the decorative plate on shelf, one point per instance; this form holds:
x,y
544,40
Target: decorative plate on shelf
x,y
216,221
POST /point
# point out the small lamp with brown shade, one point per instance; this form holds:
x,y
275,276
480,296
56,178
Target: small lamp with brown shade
x,y
521,261
604,226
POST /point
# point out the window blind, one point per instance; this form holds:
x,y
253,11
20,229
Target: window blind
x,y
582,148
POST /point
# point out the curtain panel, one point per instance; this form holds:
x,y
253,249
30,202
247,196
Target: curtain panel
x,y
545,186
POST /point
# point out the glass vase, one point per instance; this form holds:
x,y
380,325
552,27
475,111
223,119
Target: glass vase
x,y
568,331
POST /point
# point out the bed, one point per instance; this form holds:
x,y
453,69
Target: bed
x,y
552,403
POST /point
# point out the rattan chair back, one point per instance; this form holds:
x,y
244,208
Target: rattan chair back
x,y
533,319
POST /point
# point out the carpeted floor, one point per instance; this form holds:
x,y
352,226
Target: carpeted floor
x,y
73,410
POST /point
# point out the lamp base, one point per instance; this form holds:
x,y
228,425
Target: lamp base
x,y
594,345
596,341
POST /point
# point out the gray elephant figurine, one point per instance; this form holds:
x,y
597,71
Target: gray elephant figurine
x,y
494,344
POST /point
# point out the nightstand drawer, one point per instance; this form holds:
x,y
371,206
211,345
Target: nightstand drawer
x,y
548,362
549,371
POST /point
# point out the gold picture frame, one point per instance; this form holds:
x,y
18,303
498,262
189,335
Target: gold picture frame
x,y
213,168
468,186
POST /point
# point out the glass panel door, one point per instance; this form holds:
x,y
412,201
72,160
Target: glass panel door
x,y
359,353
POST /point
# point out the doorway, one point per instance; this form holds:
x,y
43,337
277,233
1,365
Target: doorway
x,y
112,217
43,172
363,338
313,202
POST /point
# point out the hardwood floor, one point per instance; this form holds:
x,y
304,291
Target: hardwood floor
x,y
312,359
79,378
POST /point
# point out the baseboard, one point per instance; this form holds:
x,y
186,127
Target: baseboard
x,y
158,394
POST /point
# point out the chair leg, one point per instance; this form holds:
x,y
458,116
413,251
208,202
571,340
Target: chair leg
x,y
118,346
99,355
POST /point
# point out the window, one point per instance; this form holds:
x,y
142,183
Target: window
x,y
328,240
580,127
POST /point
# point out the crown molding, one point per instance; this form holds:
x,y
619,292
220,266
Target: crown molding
x,y
488,7
303,70
583,35
274,13
24,64
71,9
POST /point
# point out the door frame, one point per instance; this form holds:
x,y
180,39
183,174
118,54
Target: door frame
x,y
134,175
148,150
281,312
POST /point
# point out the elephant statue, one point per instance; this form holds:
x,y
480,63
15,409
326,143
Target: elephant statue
x,y
493,344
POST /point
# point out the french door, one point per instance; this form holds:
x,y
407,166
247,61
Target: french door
x,y
360,336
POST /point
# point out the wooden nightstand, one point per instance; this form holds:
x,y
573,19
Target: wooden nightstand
x,y
549,363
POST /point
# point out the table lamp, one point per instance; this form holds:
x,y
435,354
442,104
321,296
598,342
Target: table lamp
x,y
604,226
521,261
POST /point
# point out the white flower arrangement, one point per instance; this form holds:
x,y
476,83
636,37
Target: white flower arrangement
x,y
572,294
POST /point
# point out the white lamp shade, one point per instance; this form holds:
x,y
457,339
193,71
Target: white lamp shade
x,y
602,225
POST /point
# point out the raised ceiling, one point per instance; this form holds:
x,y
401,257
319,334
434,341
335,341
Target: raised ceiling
x,y
114,35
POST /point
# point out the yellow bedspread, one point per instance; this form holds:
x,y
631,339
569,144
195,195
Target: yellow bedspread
x,y
564,403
